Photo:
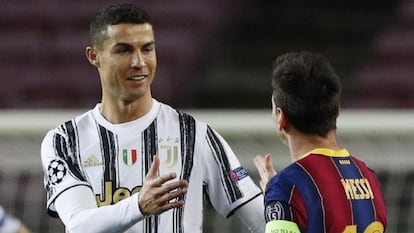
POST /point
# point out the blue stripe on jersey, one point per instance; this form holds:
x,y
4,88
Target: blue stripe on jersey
x,y
280,188
362,209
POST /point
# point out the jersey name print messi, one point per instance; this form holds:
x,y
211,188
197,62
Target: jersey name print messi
x,y
357,189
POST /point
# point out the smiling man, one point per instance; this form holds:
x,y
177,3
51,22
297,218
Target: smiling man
x,y
132,163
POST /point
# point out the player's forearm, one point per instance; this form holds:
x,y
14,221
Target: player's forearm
x,y
251,214
113,218
82,215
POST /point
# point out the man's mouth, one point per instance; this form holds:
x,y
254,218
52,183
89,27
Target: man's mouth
x,y
137,78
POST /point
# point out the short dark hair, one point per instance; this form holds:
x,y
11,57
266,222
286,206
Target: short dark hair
x,y
112,15
307,89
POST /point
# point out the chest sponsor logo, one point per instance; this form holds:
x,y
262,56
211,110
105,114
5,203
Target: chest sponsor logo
x,y
113,195
129,156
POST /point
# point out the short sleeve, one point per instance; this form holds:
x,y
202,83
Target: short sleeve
x,y
228,184
61,171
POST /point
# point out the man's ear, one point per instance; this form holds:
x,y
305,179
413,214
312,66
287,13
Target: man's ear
x,y
92,56
282,118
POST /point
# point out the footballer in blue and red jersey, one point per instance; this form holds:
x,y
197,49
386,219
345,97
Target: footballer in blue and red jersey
x,y
327,191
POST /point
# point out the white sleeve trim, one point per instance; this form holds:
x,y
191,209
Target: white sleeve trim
x,y
78,210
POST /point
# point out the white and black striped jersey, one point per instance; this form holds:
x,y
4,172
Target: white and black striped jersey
x,y
113,159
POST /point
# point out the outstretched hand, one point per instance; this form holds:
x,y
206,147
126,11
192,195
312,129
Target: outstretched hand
x,y
156,195
265,168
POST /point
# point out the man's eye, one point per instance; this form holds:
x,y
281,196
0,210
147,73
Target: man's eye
x,y
148,49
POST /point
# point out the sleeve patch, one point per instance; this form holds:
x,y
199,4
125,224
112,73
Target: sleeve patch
x,y
56,171
238,174
275,211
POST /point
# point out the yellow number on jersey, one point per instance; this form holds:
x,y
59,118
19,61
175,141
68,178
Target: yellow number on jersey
x,y
374,227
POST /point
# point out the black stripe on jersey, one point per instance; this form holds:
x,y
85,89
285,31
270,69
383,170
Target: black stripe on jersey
x,y
150,148
232,189
187,137
68,149
187,131
109,152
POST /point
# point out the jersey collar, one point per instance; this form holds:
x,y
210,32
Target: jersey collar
x,y
329,152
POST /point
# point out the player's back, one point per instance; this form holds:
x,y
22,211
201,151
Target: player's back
x,y
329,191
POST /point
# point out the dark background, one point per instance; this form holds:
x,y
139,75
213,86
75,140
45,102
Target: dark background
x,y
211,54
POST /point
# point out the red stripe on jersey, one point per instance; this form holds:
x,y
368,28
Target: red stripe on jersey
x,y
298,209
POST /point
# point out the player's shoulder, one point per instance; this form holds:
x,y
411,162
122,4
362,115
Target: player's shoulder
x,y
171,112
62,127
289,174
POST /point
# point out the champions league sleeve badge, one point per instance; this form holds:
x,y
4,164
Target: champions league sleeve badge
x,y
238,174
56,171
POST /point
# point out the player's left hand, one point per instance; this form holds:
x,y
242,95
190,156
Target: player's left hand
x,y
265,168
157,194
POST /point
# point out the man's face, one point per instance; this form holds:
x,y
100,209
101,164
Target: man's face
x,y
127,62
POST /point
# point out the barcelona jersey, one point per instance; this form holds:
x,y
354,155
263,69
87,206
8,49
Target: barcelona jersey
x,y
327,191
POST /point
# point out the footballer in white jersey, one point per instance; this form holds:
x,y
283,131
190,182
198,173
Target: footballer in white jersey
x,y
90,151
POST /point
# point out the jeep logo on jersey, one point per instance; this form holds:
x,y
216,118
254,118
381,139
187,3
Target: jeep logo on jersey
x,y
129,156
114,195
56,171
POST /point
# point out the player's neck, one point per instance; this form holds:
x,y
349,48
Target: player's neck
x,y
118,112
301,145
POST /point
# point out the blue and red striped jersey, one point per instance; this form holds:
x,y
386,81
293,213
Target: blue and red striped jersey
x,y
327,191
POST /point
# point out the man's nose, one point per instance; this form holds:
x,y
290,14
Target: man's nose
x,y
137,60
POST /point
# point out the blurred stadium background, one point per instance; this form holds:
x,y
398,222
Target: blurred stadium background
x,y
215,61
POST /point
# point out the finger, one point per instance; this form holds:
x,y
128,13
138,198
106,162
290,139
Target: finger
x,y
171,205
171,187
268,161
269,165
258,163
164,178
153,172
175,185
170,196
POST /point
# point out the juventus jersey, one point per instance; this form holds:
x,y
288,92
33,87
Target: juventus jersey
x,y
113,159
327,191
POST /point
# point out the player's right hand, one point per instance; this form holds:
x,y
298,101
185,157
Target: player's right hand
x,y
157,196
265,168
